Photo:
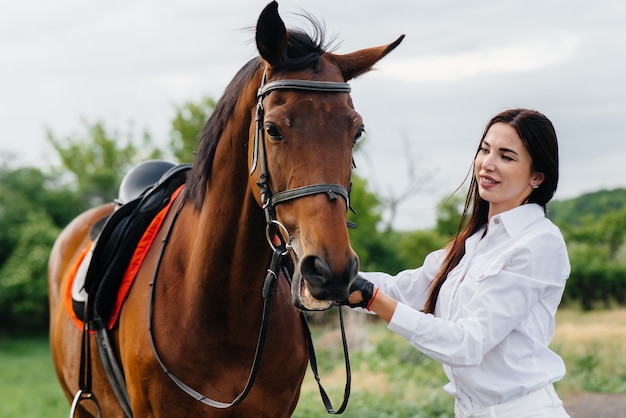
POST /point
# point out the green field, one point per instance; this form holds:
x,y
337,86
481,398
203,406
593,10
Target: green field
x,y
28,385
389,378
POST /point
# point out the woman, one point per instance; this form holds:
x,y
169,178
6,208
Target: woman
x,y
484,306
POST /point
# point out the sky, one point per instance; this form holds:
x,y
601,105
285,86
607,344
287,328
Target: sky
x,y
130,64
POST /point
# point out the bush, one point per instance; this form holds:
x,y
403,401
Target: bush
x,y
23,278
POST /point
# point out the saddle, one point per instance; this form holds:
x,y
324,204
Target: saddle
x,y
116,238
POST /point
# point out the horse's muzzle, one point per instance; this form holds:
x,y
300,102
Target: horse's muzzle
x,y
318,286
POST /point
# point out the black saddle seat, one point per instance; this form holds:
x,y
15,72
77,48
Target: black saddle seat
x,y
140,178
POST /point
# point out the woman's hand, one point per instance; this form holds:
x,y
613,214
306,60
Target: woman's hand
x,y
361,293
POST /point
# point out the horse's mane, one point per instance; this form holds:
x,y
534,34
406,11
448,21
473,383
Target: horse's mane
x,y
302,51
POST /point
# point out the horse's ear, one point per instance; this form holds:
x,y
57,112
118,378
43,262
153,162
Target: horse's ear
x,y
271,35
356,63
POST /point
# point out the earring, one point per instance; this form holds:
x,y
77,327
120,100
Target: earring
x,y
534,186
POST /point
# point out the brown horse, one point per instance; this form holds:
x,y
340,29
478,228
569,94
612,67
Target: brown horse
x,y
207,307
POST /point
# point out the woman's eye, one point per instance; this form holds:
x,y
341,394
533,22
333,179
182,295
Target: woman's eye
x,y
273,131
359,134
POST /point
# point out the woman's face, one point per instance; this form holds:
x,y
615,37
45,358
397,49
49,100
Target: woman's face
x,y
503,169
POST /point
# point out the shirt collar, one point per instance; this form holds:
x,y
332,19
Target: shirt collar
x,y
517,219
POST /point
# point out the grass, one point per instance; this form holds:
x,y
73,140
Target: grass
x,y
390,379
592,345
28,385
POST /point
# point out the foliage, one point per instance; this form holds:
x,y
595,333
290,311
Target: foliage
x,y
187,126
25,190
449,215
32,211
607,229
376,250
588,206
595,240
393,251
414,246
97,160
23,277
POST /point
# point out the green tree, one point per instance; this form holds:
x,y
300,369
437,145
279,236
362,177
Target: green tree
x,y
366,217
376,249
98,158
595,246
33,208
414,246
23,277
588,279
449,214
573,212
27,189
186,127
609,229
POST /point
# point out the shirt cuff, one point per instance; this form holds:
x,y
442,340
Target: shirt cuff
x,y
405,321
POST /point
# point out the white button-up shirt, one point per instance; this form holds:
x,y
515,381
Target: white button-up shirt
x,y
494,316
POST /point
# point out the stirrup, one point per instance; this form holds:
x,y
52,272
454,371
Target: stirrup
x,y
84,396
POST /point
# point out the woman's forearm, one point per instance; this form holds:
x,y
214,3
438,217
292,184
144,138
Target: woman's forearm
x,y
384,306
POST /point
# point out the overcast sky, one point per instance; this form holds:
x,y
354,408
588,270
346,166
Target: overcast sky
x,y
424,107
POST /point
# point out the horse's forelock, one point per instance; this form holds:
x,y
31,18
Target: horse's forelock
x,y
305,49
301,52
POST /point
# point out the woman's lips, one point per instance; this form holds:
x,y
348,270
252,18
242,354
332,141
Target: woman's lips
x,y
488,182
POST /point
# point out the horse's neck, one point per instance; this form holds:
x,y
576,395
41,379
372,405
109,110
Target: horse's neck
x,y
223,245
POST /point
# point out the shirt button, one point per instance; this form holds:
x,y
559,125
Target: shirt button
x,y
496,221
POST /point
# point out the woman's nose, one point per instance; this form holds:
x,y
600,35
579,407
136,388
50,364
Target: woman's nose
x,y
484,162
488,162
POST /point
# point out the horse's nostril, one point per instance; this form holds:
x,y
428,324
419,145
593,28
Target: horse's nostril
x,y
315,271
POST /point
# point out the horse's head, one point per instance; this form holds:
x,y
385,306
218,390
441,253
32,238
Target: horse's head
x,y
301,140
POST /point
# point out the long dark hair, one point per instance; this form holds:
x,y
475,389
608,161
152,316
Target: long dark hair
x,y
539,138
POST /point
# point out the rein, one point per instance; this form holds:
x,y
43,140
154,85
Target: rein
x,y
279,255
277,262
268,290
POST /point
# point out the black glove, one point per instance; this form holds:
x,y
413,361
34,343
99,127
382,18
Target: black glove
x,y
366,288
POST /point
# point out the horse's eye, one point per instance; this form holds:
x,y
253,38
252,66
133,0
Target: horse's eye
x,y
359,134
273,131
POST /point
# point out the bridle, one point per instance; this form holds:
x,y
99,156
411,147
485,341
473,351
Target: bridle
x,y
269,200
279,261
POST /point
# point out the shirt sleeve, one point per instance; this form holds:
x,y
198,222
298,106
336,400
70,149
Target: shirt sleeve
x,y
499,295
410,287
